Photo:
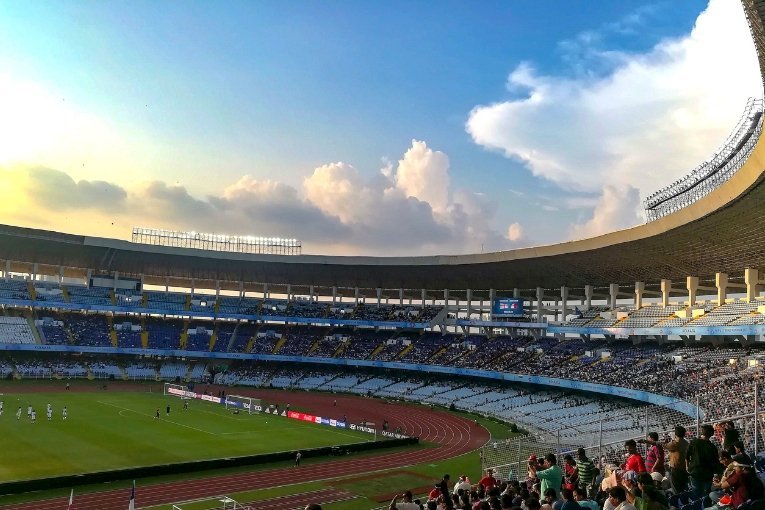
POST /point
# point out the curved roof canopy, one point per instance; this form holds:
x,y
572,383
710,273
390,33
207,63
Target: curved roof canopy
x,y
722,232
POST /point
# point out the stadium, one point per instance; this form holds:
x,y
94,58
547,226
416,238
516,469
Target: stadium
x,y
189,371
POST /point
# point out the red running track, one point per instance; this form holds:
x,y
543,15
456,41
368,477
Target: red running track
x,y
453,435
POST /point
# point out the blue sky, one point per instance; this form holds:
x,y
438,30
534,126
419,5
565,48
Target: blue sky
x,y
276,118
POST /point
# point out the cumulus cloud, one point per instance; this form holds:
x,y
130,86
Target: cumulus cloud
x,y
617,208
335,210
59,191
515,232
645,122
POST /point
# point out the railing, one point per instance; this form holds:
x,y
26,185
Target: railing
x,y
711,174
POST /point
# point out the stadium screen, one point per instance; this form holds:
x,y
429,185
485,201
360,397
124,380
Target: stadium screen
x,y
507,307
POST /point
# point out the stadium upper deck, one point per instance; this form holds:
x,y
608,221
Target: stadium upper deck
x,y
724,231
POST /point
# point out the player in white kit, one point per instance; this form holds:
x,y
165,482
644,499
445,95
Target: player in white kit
x,y
50,413
29,411
34,415
18,413
63,413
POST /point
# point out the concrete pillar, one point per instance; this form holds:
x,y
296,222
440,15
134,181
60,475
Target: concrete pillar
x,y
692,284
613,292
540,297
265,291
217,289
89,274
311,292
639,289
556,309
492,297
167,284
356,295
589,290
469,297
334,295
8,270
60,275
289,292
666,288
192,286
446,298
34,271
142,281
241,290
751,279
379,296
721,282
424,296
401,297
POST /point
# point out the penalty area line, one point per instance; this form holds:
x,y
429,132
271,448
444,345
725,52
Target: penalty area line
x,y
139,413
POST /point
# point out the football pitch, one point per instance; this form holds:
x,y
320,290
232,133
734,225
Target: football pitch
x,y
113,430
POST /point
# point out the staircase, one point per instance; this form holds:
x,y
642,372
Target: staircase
x,y
112,332
279,345
185,335
377,350
35,331
213,339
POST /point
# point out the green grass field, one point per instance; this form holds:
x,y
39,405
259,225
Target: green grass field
x,y
112,430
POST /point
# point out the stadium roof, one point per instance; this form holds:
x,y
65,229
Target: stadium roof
x,y
722,232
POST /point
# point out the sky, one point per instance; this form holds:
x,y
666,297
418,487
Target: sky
x,y
362,128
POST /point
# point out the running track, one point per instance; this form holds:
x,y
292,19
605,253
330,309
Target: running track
x,y
454,436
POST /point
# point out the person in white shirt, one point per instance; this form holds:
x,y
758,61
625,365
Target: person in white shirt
x,y
29,411
64,413
464,484
50,413
34,415
18,413
407,504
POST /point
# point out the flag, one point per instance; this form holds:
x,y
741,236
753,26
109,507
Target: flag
x,y
71,499
131,506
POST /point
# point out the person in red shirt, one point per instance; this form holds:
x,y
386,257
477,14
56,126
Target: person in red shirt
x,y
634,460
435,492
488,481
744,484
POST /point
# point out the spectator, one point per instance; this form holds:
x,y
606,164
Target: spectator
x,y
488,482
585,470
730,436
744,484
634,460
678,452
617,497
463,483
568,500
654,457
702,462
552,476
580,496
406,504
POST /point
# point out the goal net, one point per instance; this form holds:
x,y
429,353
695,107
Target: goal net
x,y
178,390
247,404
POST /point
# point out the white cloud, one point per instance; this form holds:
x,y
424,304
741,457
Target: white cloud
x,y
334,211
648,121
616,208
515,232
424,174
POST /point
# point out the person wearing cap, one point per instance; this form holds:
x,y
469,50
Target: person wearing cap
x,y
629,482
463,483
702,461
406,504
744,484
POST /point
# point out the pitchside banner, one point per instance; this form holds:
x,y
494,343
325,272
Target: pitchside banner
x,y
316,419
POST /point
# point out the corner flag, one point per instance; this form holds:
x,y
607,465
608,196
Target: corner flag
x,y
131,506
71,500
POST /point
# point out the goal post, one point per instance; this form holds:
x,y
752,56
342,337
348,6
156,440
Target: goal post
x,y
177,390
248,404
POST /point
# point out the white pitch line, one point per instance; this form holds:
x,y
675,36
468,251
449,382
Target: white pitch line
x,y
161,419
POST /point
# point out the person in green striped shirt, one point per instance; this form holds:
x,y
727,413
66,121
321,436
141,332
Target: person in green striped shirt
x,y
585,468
